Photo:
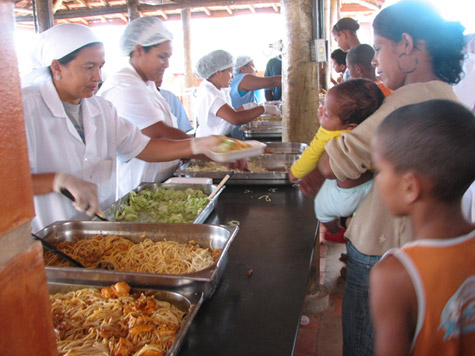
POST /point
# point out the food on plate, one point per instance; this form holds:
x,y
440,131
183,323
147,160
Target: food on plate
x,y
110,321
268,118
121,254
166,205
230,144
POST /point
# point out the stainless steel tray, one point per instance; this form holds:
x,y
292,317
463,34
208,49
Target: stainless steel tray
x,y
255,129
292,148
205,281
189,303
278,166
110,212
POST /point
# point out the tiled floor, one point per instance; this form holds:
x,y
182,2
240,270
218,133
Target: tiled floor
x,y
322,335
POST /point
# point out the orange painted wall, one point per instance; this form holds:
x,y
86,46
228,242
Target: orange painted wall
x,y
16,194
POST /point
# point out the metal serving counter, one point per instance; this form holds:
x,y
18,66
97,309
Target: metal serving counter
x,y
258,314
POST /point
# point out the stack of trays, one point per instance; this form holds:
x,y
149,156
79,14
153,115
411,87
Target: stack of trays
x,y
207,236
260,129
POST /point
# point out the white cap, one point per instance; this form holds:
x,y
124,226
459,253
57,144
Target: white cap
x,y
214,62
55,43
241,61
144,31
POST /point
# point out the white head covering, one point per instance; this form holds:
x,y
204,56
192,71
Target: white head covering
x,y
144,31
214,62
241,61
56,43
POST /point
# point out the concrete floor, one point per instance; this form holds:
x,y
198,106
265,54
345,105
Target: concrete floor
x,y
322,336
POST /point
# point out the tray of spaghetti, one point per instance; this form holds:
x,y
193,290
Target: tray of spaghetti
x,y
185,257
119,320
165,203
266,169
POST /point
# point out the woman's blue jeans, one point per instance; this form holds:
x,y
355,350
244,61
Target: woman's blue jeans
x,y
358,336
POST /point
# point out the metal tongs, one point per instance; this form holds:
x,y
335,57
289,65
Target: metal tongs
x,y
220,185
68,195
53,249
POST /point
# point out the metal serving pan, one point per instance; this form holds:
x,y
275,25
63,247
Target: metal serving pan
x,y
110,212
278,166
291,148
256,129
189,303
210,236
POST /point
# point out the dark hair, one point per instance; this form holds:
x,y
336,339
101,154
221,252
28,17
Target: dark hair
x,y
339,56
361,54
345,23
434,138
358,99
72,56
444,39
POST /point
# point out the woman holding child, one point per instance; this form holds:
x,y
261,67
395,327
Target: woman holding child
x,y
418,55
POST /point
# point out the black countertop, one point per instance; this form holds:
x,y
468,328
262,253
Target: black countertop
x,y
258,314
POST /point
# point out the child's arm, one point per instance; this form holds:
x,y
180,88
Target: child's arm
x,y
393,306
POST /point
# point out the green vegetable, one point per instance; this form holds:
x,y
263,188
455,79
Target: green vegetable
x,y
163,205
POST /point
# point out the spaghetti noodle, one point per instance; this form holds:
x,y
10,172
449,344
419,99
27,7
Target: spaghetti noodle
x,y
119,253
112,322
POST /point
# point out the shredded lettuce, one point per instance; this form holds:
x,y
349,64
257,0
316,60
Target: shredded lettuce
x,y
163,205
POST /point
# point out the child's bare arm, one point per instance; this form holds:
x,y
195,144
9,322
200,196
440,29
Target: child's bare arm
x,y
393,306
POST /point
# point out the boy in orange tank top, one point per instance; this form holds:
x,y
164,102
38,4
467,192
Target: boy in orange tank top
x,y
422,296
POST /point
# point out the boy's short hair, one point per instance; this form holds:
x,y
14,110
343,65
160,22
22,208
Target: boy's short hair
x,y
339,56
361,54
435,138
358,99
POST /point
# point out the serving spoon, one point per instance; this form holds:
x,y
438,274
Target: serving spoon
x,y
53,249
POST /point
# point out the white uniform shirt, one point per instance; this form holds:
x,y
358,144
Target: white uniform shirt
x,y
142,104
209,100
54,145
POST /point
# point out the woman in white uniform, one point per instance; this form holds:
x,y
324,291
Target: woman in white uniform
x,y
74,138
132,90
214,112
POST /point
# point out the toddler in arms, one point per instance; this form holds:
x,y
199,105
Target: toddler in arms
x,y
346,105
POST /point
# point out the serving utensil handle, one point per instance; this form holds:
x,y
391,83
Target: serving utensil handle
x,y
220,185
53,249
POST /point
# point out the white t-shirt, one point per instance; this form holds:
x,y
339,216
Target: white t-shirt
x,y
142,104
209,100
54,145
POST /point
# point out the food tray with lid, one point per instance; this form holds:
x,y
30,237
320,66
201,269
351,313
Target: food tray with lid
x,y
189,303
207,236
276,165
110,212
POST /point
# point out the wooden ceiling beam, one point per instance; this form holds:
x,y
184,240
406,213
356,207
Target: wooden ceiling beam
x,y
206,11
57,5
228,9
253,10
122,9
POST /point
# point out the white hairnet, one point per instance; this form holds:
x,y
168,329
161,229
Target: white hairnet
x,y
214,62
144,31
55,43
241,61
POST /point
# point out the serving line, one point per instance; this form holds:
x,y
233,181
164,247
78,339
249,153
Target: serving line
x,y
256,308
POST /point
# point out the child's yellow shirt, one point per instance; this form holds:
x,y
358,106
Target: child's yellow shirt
x,y
310,157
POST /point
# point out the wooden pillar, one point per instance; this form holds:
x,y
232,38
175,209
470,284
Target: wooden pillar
x,y
325,67
44,14
190,79
299,74
26,323
133,9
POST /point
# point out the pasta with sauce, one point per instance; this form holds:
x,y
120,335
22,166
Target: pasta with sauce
x,y
113,322
119,253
